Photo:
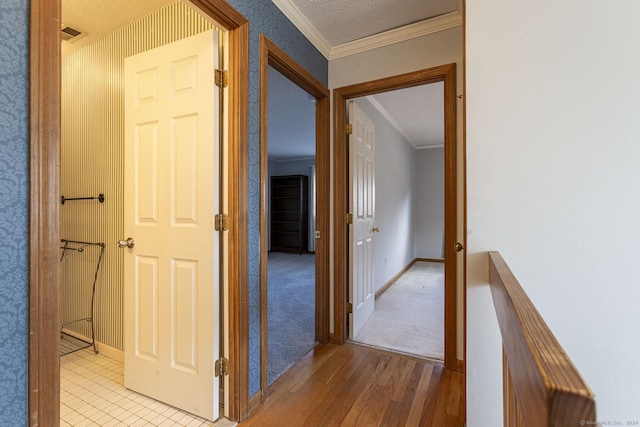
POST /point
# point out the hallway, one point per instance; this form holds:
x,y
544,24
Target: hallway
x,y
409,315
353,385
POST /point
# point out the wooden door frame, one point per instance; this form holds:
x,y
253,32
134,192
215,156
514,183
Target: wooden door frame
x,y
44,194
272,55
446,74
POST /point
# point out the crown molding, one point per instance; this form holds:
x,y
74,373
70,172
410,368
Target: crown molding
x,y
429,147
408,32
397,127
388,117
292,12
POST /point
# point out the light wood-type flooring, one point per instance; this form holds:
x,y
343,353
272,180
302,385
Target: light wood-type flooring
x,y
353,385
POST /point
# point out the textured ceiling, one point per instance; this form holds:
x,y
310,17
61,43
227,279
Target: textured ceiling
x,y
343,21
97,18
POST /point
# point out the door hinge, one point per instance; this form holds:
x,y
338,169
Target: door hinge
x,y
348,218
349,308
222,78
222,367
349,129
221,222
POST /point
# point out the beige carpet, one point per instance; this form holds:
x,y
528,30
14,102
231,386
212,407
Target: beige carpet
x,y
409,316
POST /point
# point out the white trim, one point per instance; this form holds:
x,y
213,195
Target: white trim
x,y
429,147
103,349
390,119
111,352
397,127
408,32
301,22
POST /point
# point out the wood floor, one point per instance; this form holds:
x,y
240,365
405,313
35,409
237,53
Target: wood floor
x,y
352,385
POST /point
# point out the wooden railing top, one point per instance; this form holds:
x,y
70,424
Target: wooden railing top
x,y
547,386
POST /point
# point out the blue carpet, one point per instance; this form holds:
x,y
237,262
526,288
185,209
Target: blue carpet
x,y
291,310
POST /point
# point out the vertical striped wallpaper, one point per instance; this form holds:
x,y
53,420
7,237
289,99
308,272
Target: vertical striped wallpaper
x,y
92,149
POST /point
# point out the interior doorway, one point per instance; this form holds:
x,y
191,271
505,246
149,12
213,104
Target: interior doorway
x,y
407,232
141,124
291,197
445,74
284,227
44,380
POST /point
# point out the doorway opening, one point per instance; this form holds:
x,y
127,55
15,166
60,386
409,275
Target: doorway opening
x,y
294,213
44,380
291,197
142,124
408,233
342,215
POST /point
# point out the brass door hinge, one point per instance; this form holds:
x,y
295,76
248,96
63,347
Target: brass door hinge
x,y
222,367
349,308
349,218
221,222
222,79
349,129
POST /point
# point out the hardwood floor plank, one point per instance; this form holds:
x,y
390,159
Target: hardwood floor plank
x,y
352,385
348,388
409,390
441,402
421,396
431,399
453,405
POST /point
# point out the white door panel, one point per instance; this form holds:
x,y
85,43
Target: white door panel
x,y
171,175
362,205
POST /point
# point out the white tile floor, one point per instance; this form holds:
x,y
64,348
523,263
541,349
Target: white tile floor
x,y
92,394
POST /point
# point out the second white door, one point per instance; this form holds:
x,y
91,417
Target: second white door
x,y
362,207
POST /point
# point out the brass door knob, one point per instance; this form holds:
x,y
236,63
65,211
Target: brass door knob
x,y
375,230
458,247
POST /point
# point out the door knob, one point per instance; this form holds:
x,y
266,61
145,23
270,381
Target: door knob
x,y
458,247
375,230
129,243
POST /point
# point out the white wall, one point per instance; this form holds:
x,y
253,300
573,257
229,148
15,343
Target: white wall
x,y
553,153
428,221
395,191
444,47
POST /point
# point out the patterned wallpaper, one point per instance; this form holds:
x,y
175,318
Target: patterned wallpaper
x,y
14,182
265,17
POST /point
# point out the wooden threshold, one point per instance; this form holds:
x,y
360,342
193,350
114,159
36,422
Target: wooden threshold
x,y
355,385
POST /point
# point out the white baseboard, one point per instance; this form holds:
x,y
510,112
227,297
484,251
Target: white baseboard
x,y
103,349
111,352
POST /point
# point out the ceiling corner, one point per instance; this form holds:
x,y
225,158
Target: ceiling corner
x,y
292,12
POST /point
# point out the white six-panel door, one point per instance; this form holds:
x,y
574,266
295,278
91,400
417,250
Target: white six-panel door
x,y
171,171
362,207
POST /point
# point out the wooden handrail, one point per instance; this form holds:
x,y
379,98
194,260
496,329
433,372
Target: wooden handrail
x,y
542,387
